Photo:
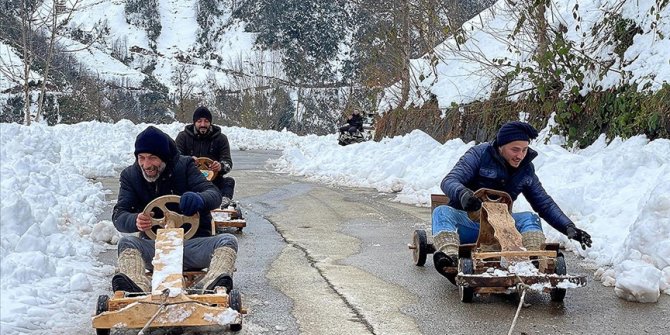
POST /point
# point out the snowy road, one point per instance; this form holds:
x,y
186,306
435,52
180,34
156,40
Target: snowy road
x,y
316,259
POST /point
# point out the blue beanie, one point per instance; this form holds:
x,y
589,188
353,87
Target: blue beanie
x,y
153,141
515,131
201,112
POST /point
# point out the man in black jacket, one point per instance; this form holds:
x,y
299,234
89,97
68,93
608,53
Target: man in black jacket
x,y
354,122
160,170
203,139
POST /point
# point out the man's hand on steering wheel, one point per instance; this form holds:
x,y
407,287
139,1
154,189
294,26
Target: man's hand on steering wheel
x,y
143,222
215,166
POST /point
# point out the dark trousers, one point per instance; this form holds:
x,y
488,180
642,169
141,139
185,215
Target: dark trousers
x,y
226,186
350,129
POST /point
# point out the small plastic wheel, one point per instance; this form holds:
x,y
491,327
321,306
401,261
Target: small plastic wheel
x,y
420,243
102,306
558,294
235,302
466,267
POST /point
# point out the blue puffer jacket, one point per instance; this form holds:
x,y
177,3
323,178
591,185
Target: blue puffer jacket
x,y
180,175
482,166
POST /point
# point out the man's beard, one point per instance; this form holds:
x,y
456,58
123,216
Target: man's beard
x,y
160,169
203,130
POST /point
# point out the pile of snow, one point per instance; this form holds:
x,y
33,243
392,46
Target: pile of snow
x,y
619,192
463,72
51,229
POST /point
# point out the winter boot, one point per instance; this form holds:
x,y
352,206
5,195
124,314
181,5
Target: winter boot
x,y
446,253
225,202
220,272
131,276
532,240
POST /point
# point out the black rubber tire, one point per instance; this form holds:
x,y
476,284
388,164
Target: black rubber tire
x,y
420,250
466,266
102,306
235,302
558,294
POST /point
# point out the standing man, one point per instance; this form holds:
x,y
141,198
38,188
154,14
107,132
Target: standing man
x,y
203,139
504,165
160,170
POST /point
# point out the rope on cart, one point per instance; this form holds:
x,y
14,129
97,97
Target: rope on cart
x,y
520,287
164,296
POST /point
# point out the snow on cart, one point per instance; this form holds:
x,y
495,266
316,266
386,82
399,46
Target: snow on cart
x,y
171,302
497,263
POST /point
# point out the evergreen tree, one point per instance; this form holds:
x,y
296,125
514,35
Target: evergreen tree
x,y
309,33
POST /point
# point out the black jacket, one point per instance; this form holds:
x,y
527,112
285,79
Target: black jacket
x,y
356,120
213,145
180,176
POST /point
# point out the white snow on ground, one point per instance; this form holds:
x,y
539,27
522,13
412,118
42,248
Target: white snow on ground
x,y
51,227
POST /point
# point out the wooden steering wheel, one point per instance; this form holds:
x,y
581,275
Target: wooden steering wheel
x,y
489,195
170,219
203,164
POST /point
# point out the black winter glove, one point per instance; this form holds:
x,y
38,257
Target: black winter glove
x,y
469,202
191,203
578,235
225,167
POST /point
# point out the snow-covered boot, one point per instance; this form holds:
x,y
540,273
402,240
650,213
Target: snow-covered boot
x,y
532,240
446,252
220,272
131,277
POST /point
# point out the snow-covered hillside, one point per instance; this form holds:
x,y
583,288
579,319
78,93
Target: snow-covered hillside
x,y
470,70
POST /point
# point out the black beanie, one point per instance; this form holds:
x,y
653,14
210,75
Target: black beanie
x,y
201,112
153,141
515,131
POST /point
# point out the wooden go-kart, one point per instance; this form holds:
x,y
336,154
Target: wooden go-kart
x,y
231,215
498,262
171,302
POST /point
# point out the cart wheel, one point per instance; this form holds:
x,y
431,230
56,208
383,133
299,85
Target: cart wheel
x,y
558,294
420,242
235,302
102,306
466,267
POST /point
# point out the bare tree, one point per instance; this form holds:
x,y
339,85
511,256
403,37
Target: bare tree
x,y
39,24
181,78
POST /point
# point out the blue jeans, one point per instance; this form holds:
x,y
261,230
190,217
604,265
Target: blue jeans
x,y
449,219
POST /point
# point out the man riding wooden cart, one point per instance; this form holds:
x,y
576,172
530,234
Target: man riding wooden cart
x,y
498,262
172,301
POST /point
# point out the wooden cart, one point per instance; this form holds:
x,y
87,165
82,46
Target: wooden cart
x,y
491,265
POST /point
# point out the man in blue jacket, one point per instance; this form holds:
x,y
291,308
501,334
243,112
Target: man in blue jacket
x,y
160,170
503,165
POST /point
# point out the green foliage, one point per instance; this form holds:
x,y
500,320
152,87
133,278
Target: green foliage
x,y
144,13
12,110
622,112
307,31
207,13
624,32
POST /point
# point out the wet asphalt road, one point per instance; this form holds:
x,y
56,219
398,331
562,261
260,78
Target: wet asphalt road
x,y
319,259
